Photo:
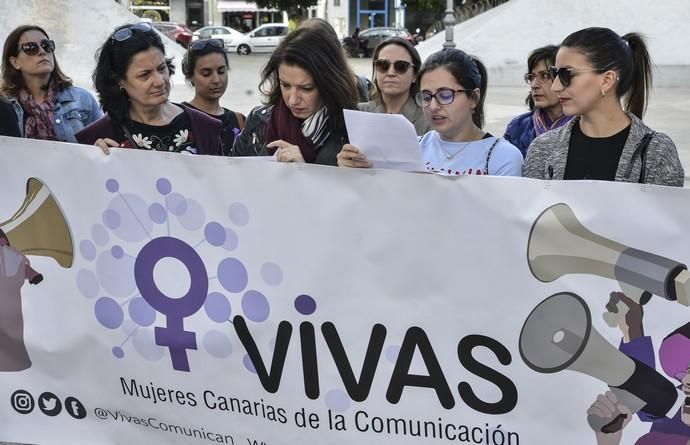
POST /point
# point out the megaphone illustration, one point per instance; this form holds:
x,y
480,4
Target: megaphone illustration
x,y
559,245
39,227
558,335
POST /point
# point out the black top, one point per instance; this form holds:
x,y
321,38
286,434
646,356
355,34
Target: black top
x,y
230,127
594,158
9,125
174,137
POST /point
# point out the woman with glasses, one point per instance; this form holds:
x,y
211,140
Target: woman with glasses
x,y
46,104
206,68
396,63
452,91
132,78
307,83
545,112
595,70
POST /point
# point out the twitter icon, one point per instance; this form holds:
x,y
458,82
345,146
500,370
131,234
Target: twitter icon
x,y
49,404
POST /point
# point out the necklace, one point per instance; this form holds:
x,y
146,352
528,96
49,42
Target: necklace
x,y
450,156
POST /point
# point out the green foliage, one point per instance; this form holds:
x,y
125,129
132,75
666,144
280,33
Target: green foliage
x,y
434,6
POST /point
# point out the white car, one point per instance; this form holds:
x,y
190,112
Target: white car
x,y
263,39
225,33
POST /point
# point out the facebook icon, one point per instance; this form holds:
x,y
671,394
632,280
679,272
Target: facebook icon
x,y
75,408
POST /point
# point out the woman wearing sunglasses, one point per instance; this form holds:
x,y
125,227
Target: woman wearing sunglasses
x,y
396,63
307,83
595,70
132,78
46,103
545,112
205,66
452,91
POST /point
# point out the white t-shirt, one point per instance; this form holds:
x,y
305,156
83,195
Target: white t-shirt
x,y
470,158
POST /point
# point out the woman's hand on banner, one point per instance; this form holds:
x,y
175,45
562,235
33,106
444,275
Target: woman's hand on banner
x,y
105,144
350,156
286,152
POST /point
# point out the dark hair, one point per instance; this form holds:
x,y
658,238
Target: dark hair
x,y
468,72
627,55
12,80
546,54
113,60
318,52
192,56
416,64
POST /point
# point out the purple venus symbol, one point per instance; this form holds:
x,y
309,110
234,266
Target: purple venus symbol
x,y
173,336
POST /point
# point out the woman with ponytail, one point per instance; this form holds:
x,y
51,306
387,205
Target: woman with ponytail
x,y
452,91
604,80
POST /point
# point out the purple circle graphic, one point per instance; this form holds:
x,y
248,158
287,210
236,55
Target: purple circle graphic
x,y
135,224
239,214
118,352
116,275
231,240
214,234
111,219
163,186
117,252
392,353
193,217
157,213
217,307
232,275
217,344
247,362
305,305
141,312
167,247
88,250
87,283
145,344
337,400
99,234
272,274
176,204
109,313
112,185
255,306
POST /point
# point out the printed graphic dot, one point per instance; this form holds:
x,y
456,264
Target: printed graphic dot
x,y
337,400
111,219
117,252
112,185
118,352
231,240
176,204
87,250
248,364
217,344
305,305
129,327
135,224
272,274
141,312
239,214
163,186
217,307
255,306
116,275
99,234
87,283
392,353
109,313
193,217
232,275
145,344
214,234
157,213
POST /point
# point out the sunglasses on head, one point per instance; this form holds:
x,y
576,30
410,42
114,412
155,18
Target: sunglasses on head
x,y
565,75
400,66
199,45
125,33
32,48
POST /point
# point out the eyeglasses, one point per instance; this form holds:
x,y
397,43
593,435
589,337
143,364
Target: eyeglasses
x,y
542,76
32,48
199,45
565,75
400,66
125,33
444,96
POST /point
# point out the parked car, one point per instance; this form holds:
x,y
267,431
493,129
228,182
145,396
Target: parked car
x,y
179,33
263,39
369,38
224,33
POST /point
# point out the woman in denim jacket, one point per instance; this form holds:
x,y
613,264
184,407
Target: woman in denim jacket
x,y
47,105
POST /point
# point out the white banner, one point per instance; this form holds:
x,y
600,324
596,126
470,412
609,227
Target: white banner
x,y
189,299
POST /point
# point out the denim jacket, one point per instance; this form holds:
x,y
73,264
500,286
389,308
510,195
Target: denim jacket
x,y
75,108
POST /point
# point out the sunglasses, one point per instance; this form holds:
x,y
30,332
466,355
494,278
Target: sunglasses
x,y
400,66
125,33
199,45
543,76
565,75
32,48
444,96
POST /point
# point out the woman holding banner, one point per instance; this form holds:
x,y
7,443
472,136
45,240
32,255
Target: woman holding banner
x,y
307,83
595,69
132,78
453,88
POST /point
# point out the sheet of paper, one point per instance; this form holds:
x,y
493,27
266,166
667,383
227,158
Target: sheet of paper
x,y
387,140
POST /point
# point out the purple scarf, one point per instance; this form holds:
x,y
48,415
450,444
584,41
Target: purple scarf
x,y
542,123
38,121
